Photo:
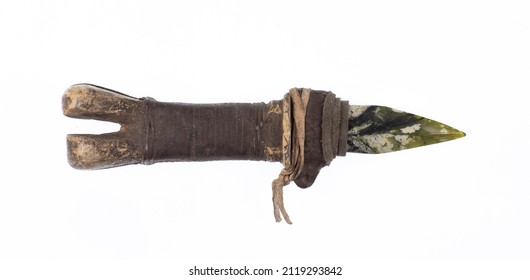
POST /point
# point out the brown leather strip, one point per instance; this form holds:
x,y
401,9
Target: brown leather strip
x,y
327,123
335,127
313,147
343,128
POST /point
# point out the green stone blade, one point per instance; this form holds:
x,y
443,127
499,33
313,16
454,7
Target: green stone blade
x,y
379,129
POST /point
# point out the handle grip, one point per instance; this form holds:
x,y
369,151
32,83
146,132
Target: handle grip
x,y
153,131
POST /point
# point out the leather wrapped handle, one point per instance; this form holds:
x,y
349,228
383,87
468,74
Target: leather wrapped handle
x,y
226,131
153,131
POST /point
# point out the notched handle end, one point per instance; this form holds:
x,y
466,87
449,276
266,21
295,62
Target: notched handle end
x,y
89,151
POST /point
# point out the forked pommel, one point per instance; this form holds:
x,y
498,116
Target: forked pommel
x,y
88,151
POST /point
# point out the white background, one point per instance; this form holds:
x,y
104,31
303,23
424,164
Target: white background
x,y
457,210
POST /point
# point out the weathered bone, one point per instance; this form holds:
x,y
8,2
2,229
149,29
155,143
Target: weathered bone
x,y
87,151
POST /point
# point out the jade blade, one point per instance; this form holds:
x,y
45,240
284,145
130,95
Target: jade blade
x,y
380,129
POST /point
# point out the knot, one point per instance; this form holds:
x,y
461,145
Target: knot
x,y
293,138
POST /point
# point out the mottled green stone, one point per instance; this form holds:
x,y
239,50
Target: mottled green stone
x,y
379,129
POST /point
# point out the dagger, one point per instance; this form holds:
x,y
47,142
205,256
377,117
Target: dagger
x,y
304,131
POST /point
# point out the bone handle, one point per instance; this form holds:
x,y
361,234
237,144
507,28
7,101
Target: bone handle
x,y
153,131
